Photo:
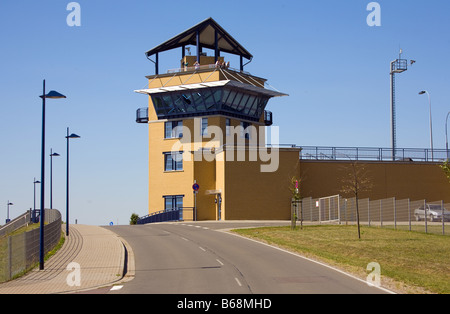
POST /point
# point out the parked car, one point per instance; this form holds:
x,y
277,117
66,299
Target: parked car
x,y
434,213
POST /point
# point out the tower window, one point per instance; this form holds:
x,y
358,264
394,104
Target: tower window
x,y
204,128
173,161
173,129
245,130
173,202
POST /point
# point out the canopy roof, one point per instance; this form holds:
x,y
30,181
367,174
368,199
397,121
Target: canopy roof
x,y
210,34
228,83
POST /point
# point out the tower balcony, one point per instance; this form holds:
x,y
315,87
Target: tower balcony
x,y
142,115
268,118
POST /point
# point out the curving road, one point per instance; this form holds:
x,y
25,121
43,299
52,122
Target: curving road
x,y
201,258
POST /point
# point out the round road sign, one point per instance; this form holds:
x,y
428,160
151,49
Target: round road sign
x,y
195,187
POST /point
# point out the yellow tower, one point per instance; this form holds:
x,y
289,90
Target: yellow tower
x,y
207,122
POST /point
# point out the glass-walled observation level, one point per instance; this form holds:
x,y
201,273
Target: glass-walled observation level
x,y
233,102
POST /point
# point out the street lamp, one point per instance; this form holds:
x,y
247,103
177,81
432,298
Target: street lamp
x,y
431,123
51,95
7,213
446,135
52,154
67,179
34,198
397,66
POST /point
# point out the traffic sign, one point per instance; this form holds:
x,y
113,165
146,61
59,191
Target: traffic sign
x,y
195,187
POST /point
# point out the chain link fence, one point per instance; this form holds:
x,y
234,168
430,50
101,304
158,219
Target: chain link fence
x,y
404,214
20,252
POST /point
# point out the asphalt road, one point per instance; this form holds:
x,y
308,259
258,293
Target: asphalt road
x,y
202,258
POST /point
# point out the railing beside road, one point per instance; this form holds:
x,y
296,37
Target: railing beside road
x,y
20,252
183,213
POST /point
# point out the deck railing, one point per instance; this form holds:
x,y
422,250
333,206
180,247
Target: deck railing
x,y
370,153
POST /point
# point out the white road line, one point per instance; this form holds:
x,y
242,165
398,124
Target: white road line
x,y
202,249
184,239
116,288
308,259
221,264
238,282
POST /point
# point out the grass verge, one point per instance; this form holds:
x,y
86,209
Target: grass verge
x,y
4,247
411,262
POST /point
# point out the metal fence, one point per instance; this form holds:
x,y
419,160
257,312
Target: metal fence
x,y
372,153
394,213
16,223
20,252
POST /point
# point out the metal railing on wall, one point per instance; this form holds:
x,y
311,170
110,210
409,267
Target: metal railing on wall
x,y
372,153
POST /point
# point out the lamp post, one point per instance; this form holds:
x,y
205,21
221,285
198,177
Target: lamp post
x,y
431,122
51,95
34,199
67,179
7,213
397,66
446,135
52,154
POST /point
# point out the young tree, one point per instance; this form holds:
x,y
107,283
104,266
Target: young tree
x,y
355,182
133,219
296,199
446,168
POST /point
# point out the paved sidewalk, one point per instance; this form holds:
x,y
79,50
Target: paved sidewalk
x,y
100,254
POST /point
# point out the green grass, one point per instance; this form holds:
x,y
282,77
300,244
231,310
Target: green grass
x,y
411,262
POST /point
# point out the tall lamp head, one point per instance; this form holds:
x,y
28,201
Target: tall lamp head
x,y
53,95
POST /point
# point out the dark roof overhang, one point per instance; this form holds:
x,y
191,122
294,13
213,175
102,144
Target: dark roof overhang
x,y
209,34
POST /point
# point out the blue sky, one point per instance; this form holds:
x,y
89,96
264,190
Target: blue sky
x,y
322,53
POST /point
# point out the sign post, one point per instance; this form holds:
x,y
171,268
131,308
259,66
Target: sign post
x,y
195,187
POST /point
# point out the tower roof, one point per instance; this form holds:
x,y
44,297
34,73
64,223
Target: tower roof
x,y
207,31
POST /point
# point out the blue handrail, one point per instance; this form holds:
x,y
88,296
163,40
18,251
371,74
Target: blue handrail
x,y
161,216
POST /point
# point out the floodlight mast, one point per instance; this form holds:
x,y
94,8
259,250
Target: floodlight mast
x,y
397,66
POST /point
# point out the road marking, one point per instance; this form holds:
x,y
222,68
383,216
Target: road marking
x,y
238,282
206,228
221,264
116,288
184,239
305,258
202,249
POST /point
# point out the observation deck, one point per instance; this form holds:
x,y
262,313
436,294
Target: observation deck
x,y
206,85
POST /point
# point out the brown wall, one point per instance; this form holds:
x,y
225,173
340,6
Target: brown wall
x,y
413,180
255,195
